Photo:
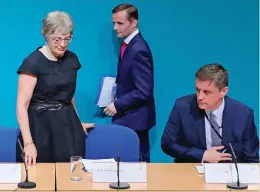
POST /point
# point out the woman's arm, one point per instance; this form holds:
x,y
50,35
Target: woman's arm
x,y
26,85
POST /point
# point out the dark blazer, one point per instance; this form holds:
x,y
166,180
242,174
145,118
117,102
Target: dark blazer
x,y
135,87
184,135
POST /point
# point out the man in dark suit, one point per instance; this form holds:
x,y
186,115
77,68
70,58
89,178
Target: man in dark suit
x,y
200,127
134,105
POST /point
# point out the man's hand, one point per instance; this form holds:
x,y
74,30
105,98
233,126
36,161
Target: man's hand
x,y
110,110
213,156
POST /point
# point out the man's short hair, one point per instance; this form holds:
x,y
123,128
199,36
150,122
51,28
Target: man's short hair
x,y
130,9
215,73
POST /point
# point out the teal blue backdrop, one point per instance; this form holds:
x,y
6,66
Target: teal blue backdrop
x,y
183,35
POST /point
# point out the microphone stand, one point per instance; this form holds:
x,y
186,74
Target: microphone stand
x,y
25,184
119,185
236,185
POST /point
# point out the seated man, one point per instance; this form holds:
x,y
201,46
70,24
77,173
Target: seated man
x,y
200,127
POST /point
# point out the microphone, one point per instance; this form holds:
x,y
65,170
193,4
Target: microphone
x,y
118,185
236,185
25,184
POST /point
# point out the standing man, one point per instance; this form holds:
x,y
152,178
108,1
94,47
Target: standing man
x,y
134,105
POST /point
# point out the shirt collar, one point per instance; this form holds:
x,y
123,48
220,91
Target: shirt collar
x,y
219,111
130,37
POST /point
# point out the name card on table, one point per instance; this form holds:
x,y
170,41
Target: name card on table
x,y
226,173
88,163
129,172
10,173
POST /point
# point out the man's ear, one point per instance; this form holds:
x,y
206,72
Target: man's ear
x,y
135,22
224,92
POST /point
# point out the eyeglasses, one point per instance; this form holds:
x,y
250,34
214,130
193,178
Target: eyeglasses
x,y
58,40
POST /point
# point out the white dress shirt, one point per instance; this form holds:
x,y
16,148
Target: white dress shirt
x,y
218,113
130,37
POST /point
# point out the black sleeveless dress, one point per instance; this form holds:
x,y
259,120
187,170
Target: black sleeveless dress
x,y
56,131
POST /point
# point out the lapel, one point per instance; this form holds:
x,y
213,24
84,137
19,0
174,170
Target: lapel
x,y
199,118
127,51
227,123
130,45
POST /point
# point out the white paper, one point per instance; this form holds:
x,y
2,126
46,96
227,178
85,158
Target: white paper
x,y
129,172
107,93
88,163
10,173
248,173
226,173
200,169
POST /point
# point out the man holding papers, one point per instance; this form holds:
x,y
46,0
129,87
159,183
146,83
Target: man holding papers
x,y
134,105
201,126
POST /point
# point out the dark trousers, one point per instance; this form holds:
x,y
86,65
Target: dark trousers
x,y
144,145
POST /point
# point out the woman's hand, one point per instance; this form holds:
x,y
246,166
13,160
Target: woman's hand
x,y
87,126
30,154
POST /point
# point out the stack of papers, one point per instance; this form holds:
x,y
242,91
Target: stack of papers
x,y
107,91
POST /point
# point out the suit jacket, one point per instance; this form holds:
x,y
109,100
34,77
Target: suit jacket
x,y
184,135
135,87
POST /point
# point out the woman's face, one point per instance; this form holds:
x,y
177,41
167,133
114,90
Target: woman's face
x,y
58,43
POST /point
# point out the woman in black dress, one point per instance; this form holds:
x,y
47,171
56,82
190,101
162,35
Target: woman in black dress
x,y
50,127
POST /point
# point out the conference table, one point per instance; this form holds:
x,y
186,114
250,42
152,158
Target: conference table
x,y
160,177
